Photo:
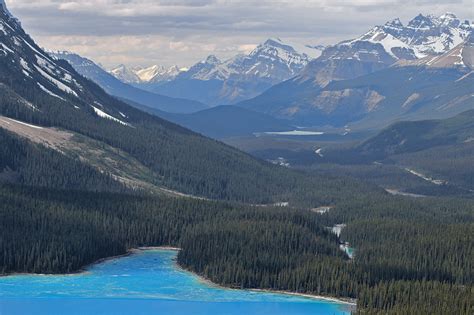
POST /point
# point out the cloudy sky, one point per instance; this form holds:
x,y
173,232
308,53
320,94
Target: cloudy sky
x,y
168,32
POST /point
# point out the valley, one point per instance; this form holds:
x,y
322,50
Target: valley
x,y
399,158
342,172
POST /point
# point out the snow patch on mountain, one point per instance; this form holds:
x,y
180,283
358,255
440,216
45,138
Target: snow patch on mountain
x,y
24,65
49,92
5,49
63,87
104,115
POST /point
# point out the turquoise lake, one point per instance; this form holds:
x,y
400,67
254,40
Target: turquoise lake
x,y
147,282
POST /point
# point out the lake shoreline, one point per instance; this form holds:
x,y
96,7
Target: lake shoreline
x,y
129,252
351,303
85,268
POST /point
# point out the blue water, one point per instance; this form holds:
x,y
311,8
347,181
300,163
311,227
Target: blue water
x,y
148,282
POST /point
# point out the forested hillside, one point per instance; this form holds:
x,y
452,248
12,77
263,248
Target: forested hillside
x,y
411,256
24,163
413,136
428,157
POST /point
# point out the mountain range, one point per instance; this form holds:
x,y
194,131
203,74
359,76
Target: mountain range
x,y
216,82
382,76
243,77
388,74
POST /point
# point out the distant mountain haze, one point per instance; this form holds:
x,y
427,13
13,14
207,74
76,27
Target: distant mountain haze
x,y
213,81
123,90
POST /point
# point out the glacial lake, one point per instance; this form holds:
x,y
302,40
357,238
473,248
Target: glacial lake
x,y
295,133
147,282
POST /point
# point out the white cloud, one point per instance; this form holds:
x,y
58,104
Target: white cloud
x,y
184,31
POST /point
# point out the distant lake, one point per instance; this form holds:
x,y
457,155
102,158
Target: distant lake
x,y
295,133
148,282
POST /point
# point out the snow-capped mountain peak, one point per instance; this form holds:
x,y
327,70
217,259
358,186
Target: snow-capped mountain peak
x,y
424,35
124,74
67,55
152,74
242,76
273,60
147,74
431,35
158,73
391,44
276,51
274,43
379,45
385,45
207,69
